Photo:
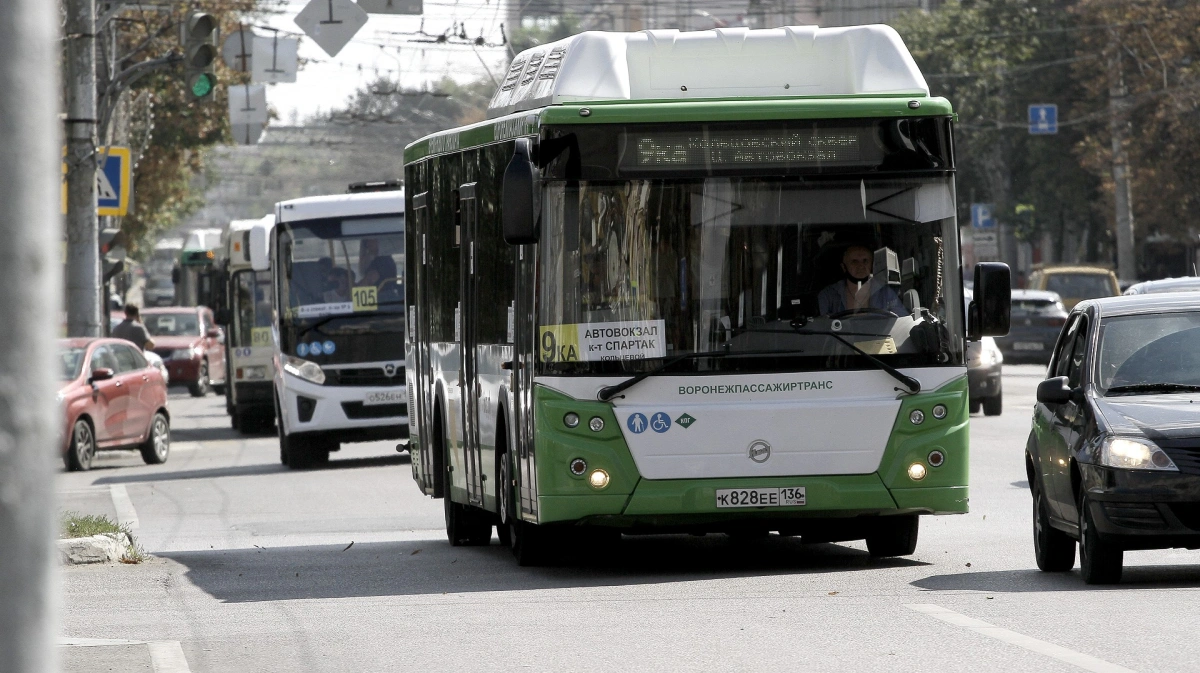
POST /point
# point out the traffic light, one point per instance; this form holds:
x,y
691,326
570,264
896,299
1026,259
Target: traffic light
x,y
200,54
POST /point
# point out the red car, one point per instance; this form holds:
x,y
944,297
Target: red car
x,y
111,398
192,346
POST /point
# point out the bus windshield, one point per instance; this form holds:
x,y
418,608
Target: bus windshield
x,y
341,266
251,308
636,271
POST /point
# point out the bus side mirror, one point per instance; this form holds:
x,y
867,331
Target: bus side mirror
x,y
988,314
518,196
260,248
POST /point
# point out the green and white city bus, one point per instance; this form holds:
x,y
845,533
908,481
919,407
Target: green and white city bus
x,y
702,282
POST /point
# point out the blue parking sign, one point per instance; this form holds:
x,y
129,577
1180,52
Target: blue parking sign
x,y
981,216
1043,119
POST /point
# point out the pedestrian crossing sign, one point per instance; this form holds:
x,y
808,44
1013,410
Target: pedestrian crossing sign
x,y
114,180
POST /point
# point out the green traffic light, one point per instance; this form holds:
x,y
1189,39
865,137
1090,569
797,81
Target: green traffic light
x,y
203,85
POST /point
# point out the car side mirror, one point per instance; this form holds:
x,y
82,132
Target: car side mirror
x,y
213,333
101,374
519,196
1054,391
988,314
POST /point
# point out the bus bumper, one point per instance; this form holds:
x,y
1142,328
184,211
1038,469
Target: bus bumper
x,y
686,503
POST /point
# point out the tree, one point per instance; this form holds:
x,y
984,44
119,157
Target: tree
x,y
150,110
992,59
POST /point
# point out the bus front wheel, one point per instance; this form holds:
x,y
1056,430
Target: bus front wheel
x,y
893,536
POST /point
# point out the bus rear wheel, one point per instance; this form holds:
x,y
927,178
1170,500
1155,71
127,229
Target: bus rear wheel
x,y
466,526
893,536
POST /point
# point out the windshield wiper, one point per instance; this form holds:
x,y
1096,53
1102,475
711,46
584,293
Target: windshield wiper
x,y
360,314
608,392
1155,388
913,385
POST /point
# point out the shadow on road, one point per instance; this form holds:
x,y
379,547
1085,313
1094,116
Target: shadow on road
x,y
1033,580
434,567
209,434
253,470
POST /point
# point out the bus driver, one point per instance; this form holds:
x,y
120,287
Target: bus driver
x,y
855,290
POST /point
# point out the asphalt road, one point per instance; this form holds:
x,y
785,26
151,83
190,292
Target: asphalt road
x,y
251,570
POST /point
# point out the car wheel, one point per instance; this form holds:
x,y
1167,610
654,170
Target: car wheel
x,y
158,443
894,536
974,405
1099,561
83,447
992,406
200,387
1053,549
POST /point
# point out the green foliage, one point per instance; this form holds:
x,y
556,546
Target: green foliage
x,y
74,524
182,127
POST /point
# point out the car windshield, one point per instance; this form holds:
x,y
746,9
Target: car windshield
x,y
1079,285
640,270
1144,350
70,363
1029,307
172,324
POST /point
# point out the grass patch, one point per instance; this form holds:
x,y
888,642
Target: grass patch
x,y
74,524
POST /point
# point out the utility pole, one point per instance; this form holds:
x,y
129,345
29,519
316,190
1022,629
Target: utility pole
x,y
83,246
30,269
1120,129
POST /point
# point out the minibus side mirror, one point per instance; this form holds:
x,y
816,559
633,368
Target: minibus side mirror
x,y
988,314
518,196
260,247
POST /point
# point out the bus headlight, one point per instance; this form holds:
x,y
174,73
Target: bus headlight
x,y
253,373
916,471
1135,454
309,371
598,479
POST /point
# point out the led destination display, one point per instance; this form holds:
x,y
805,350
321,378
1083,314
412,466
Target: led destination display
x,y
738,148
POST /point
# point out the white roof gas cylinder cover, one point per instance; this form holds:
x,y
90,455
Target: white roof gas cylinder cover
x,y
797,61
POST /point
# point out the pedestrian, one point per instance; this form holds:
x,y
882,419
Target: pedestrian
x,y
132,329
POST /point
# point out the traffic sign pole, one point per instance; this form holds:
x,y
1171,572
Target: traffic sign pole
x,y
83,253
30,271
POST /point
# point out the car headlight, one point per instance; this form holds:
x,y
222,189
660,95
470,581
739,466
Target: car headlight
x,y
1135,454
309,371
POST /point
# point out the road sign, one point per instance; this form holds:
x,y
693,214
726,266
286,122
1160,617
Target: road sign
x,y
248,104
238,50
274,59
331,23
114,180
987,243
981,216
1043,119
392,6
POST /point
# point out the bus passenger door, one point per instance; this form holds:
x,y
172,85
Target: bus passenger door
x,y
524,359
419,393
467,226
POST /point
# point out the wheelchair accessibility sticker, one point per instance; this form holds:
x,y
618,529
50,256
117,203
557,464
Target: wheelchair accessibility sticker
x,y
659,422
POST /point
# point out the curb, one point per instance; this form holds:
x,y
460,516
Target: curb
x,y
102,548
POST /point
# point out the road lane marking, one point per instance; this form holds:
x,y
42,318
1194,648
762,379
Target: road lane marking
x,y
126,514
1084,661
167,657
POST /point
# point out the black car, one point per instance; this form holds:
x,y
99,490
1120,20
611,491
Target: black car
x,y
1037,318
1114,454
